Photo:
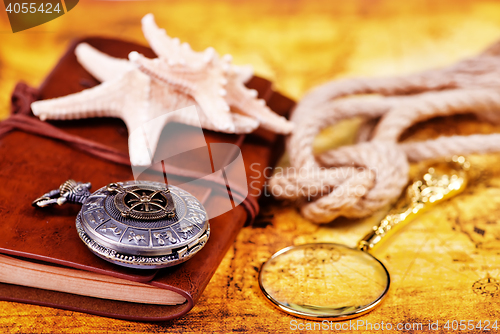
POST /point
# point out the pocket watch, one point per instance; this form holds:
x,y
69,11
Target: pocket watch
x,y
136,224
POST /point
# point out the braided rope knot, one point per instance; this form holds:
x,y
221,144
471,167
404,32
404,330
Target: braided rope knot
x,y
352,181
355,181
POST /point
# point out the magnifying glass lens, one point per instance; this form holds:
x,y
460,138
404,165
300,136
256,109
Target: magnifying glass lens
x,y
329,281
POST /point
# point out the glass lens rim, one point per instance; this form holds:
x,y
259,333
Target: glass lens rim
x,y
312,316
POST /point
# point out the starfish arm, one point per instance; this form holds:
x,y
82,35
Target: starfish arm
x,y
145,132
205,88
157,38
246,101
244,124
160,42
162,71
177,53
170,48
165,105
265,116
217,111
244,72
108,99
100,65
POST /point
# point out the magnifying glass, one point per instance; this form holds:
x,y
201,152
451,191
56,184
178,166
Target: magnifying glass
x,y
331,281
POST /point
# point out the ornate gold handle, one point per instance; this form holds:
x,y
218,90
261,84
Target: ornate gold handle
x,y
439,182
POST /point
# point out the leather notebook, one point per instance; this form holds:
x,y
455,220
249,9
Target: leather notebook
x,y
32,164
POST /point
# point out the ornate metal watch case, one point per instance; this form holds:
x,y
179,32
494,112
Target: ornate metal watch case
x,y
137,224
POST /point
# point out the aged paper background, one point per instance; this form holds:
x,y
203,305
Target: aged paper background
x,y
438,263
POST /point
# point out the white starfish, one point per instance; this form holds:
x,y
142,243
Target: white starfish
x,y
212,81
147,102
105,68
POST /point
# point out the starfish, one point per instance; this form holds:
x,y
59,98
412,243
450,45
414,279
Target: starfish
x,y
212,81
199,90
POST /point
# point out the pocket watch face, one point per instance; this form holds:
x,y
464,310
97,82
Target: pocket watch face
x,y
143,224
144,202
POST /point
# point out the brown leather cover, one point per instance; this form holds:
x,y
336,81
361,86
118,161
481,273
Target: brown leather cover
x,y
30,165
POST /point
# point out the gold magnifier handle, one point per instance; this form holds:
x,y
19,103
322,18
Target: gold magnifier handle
x,y
439,182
